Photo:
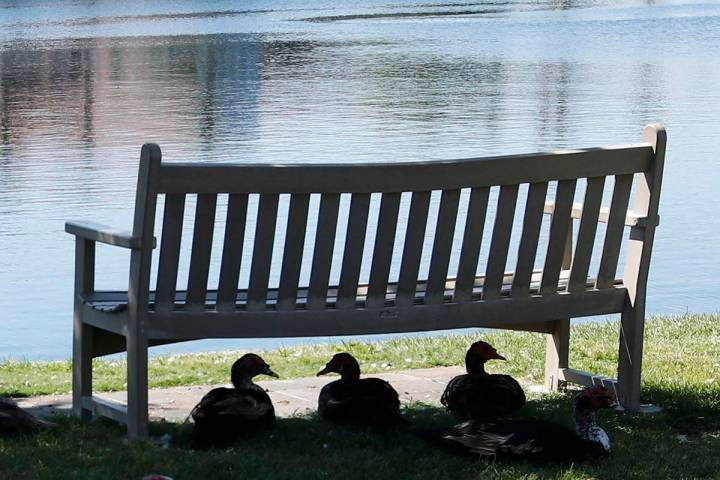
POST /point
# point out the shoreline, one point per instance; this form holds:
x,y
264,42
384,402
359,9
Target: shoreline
x,y
593,348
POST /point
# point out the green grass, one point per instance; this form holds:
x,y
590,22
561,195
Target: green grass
x,y
682,360
677,350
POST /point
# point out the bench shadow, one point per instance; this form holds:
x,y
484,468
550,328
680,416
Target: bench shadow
x,y
664,445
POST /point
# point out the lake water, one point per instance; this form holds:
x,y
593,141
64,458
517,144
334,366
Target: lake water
x,y
84,83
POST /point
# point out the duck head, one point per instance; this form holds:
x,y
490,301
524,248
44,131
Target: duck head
x,y
247,367
586,403
344,364
479,353
593,399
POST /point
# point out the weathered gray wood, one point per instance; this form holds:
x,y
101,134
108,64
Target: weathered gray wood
x,y
568,251
404,176
236,219
472,240
442,244
500,242
383,249
323,251
614,231
559,227
293,251
98,232
262,251
353,251
557,353
527,250
201,250
138,290
170,251
647,197
504,311
82,333
631,220
587,379
412,248
586,234
107,408
104,300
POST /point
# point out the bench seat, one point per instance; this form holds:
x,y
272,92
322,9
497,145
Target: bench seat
x,y
109,301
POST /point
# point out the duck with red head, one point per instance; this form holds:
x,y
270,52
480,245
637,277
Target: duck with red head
x,y
355,401
537,440
479,395
226,414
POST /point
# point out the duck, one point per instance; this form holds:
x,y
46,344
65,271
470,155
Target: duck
x,y
478,395
354,401
14,420
227,414
538,440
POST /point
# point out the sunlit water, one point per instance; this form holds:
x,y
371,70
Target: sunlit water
x,y
84,83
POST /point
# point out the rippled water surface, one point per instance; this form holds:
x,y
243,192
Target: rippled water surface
x,y
84,83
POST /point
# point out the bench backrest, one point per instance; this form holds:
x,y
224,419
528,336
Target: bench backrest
x,y
543,173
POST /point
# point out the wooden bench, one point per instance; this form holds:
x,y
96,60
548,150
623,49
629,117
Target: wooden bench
x,y
406,236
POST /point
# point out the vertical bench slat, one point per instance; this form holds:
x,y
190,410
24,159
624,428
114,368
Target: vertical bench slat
x,y
614,231
559,227
383,250
442,245
472,240
586,234
412,248
292,253
527,250
169,251
232,251
353,251
323,251
201,248
500,242
262,251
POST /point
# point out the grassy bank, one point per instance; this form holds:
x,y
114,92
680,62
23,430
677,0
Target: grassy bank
x,y
682,362
677,349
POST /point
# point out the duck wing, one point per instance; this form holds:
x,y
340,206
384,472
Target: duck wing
x,y
231,402
483,396
15,420
530,439
225,414
369,401
509,390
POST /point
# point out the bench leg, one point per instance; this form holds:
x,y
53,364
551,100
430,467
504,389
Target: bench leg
x,y
557,352
632,326
82,367
137,379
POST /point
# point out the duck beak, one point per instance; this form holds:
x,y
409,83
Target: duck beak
x,y
270,373
323,371
497,356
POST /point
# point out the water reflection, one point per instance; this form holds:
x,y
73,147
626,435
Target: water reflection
x,y
83,86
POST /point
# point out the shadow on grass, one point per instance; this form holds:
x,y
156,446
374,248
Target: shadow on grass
x,y
679,442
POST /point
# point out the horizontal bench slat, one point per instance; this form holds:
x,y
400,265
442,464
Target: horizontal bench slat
x,y
404,176
500,313
632,219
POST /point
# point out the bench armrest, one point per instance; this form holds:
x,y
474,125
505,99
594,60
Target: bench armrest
x,y
631,220
98,232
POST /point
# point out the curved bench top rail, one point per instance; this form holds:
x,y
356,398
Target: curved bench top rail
x,y
404,176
